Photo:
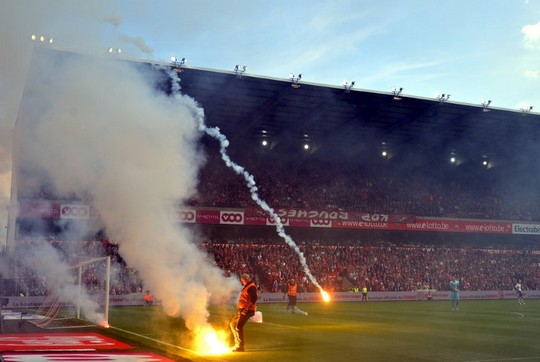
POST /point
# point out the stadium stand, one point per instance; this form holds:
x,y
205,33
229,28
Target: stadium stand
x,y
382,266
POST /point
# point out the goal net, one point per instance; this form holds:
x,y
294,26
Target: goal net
x,y
82,303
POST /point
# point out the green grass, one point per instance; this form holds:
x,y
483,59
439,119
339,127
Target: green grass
x,y
373,331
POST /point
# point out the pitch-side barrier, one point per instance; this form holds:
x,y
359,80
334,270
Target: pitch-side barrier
x,y
30,302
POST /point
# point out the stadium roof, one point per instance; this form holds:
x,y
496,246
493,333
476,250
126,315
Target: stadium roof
x,y
354,122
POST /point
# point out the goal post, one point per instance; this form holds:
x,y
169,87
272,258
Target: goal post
x,y
83,307
107,260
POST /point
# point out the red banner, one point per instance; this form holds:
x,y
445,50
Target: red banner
x,y
207,216
289,217
109,356
433,225
315,214
59,342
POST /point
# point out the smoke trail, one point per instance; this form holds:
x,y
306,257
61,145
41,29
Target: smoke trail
x,y
138,42
250,182
215,133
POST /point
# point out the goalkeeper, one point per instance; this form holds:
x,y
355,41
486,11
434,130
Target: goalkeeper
x,y
454,293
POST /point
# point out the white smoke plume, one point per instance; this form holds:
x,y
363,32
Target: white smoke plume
x,y
89,26
99,126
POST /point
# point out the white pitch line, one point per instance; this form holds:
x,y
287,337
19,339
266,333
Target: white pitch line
x,y
521,315
155,340
506,359
281,325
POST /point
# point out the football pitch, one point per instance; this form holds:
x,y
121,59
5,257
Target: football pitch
x,y
499,330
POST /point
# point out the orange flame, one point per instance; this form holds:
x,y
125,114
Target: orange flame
x,y
325,296
210,341
104,324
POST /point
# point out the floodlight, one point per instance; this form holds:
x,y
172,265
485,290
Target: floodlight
x,y
295,80
443,97
348,86
485,105
239,71
525,109
177,65
396,92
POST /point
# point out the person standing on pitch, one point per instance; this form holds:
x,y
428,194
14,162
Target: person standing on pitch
x,y
364,294
245,309
454,293
517,287
292,294
148,300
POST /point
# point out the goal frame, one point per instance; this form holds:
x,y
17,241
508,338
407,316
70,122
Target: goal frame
x,y
51,312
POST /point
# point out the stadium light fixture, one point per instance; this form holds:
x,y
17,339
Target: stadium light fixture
x,y
385,151
453,158
443,97
41,39
239,70
307,142
396,92
525,109
487,163
348,86
295,80
175,60
112,50
485,106
264,138
177,64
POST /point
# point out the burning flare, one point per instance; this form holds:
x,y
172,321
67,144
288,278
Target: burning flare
x,y
325,296
210,341
104,324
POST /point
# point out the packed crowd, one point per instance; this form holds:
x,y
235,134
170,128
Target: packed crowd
x,y
378,266
329,186
313,184
383,267
326,186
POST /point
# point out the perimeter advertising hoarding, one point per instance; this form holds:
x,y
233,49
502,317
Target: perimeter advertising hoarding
x,y
297,218
19,303
526,229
